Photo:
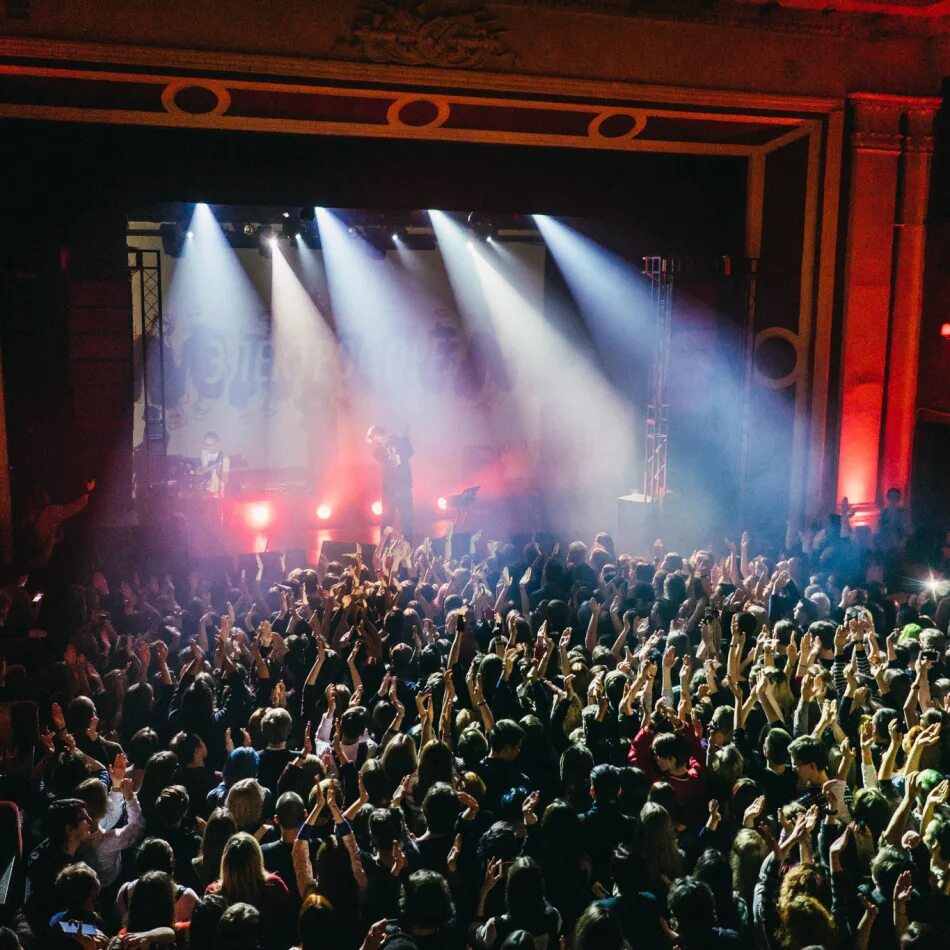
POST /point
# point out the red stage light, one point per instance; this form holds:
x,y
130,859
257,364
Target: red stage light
x,y
945,331
258,515
442,503
376,508
324,512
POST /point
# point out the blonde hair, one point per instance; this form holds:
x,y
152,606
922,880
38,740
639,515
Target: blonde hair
x,y
748,852
245,801
783,692
242,870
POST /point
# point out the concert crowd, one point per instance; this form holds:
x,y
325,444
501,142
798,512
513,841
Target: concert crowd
x,y
489,745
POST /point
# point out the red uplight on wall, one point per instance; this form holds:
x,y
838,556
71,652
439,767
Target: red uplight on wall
x,y
376,508
442,503
945,331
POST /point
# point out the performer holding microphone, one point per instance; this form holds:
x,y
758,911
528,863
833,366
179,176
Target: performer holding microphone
x,y
393,453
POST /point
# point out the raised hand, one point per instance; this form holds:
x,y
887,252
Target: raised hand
x,y
118,769
452,860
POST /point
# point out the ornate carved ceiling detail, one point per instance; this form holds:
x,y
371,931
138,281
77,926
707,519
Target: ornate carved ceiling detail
x,y
462,34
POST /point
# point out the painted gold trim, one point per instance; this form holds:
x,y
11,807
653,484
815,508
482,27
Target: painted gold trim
x,y
120,117
222,88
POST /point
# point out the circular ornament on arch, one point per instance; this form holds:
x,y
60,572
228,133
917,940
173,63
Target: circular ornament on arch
x,y
776,357
193,98
616,125
418,112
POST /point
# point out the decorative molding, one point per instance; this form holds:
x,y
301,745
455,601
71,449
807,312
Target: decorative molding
x,y
919,124
876,122
880,122
460,34
53,53
198,101
822,19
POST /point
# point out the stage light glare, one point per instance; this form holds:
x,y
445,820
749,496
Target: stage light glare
x,y
259,515
470,245
376,508
190,234
272,241
324,512
442,503
286,214
395,237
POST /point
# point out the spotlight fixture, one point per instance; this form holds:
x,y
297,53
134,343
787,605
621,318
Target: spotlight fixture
x,y
266,241
307,234
248,229
442,503
258,515
376,508
292,226
173,238
324,512
482,225
189,234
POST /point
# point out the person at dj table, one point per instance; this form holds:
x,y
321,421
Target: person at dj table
x,y
214,468
393,453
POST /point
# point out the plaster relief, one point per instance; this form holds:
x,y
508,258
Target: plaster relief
x,y
452,33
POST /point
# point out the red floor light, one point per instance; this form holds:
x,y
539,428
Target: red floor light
x,y
258,515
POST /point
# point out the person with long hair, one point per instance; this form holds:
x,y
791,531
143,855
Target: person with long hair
x,y
526,910
206,866
243,879
151,916
156,854
662,859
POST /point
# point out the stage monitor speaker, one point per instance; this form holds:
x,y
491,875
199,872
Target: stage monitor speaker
x,y
335,550
296,557
460,544
270,560
213,569
638,524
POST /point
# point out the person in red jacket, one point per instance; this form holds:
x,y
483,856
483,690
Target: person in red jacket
x,y
676,757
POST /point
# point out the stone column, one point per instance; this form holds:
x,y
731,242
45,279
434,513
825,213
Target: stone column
x,y
905,326
876,142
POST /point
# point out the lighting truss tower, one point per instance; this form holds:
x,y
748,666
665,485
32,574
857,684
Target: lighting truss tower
x,y
660,272
145,273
